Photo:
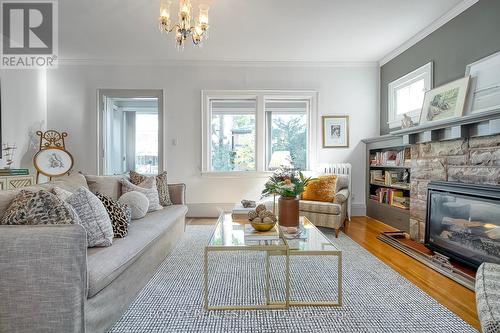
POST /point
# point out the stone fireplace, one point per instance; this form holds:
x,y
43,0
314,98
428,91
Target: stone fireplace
x,y
471,160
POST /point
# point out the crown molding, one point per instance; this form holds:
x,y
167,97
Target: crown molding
x,y
214,63
451,14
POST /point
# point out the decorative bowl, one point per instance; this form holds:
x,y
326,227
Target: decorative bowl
x,y
262,226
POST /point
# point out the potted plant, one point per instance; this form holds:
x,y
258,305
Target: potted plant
x,y
288,184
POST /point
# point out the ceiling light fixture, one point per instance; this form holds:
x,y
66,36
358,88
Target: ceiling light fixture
x,y
184,30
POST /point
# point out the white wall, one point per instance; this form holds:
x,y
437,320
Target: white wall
x,y
24,111
349,91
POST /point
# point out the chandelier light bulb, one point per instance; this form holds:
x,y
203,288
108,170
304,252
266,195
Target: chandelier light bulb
x,y
184,29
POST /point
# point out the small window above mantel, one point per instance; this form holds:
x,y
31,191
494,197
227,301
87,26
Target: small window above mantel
x,y
406,95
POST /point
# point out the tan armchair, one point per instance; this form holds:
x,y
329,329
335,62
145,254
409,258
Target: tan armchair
x,y
329,214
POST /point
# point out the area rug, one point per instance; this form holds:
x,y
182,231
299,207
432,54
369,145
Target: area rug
x,y
375,297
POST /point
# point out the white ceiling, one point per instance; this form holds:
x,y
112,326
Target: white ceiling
x,y
248,30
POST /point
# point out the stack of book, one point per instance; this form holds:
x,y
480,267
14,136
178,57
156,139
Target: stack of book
x,y
391,197
376,176
392,158
14,172
253,235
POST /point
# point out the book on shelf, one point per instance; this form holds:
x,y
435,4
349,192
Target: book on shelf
x,y
14,172
376,176
253,235
391,197
391,158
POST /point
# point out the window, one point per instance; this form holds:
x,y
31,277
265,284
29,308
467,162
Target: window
x,y
287,133
406,95
257,131
130,132
232,135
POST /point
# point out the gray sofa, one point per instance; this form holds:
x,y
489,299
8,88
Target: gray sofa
x,y
51,282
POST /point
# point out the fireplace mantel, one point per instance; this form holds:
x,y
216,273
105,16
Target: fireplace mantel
x,y
473,125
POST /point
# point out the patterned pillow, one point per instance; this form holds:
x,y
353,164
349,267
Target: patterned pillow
x,y
120,215
41,207
148,188
94,217
161,185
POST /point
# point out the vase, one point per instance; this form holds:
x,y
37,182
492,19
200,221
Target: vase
x,y
288,215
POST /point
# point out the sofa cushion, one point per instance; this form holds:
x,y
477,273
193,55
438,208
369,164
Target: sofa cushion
x,y
93,216
488,297
148,188
69,183
105,264
40,207
161,185
319,207
109,186
342,182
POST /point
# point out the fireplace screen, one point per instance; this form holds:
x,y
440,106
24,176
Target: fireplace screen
x,y
464,227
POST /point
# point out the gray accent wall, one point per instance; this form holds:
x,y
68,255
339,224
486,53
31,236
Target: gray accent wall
x,y
470,36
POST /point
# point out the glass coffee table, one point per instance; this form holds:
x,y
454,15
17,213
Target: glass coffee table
x,y
229,235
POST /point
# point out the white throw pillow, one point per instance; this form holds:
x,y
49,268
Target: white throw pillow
x,y
61,193
137,202
148,188
94,217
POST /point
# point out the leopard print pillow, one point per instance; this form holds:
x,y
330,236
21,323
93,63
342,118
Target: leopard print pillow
x,y
41,207
161,185
120,215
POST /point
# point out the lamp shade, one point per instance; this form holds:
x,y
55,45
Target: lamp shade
x,y
280,159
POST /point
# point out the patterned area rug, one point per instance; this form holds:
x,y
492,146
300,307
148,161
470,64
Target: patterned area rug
x,y
375,297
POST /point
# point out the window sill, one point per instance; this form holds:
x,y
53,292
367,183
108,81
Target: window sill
x,y
236,174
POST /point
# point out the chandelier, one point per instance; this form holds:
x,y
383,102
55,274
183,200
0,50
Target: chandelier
x,y
184,29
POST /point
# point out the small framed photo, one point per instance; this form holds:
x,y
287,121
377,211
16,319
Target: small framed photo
x,y
335,131
446,101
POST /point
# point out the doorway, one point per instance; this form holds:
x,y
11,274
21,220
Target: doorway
x,y
130,131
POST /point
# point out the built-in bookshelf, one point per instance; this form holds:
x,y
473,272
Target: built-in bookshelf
x,y
388,182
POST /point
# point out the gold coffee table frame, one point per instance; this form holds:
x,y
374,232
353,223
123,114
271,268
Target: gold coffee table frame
x,y
316,244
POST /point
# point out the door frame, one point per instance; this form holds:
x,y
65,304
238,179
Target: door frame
x,y
103,94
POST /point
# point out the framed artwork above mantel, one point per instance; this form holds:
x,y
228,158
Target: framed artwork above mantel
x,y
335,131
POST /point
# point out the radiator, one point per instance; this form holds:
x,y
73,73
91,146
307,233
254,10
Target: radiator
x,y
339,169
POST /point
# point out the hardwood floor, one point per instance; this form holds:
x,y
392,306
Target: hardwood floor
x,y
456,298
364,231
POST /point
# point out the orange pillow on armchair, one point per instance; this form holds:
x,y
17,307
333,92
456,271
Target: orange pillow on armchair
x,y
321,189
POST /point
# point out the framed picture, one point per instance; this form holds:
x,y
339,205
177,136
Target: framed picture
x,y
446,101
485,84
53,162
335,131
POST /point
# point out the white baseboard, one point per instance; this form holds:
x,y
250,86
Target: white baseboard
x,y
358,209
208,209
214,209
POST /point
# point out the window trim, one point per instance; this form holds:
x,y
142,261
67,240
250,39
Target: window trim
x,y
260,126
426,71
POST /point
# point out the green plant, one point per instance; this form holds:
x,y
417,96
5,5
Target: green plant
x,y
286,182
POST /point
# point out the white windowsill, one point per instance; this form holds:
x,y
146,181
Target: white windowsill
x,y
236,174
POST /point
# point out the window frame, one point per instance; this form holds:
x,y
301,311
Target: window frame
x,y
261,135
425,72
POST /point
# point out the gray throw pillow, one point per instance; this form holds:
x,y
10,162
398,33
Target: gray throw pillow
x,y
94,217
40,207
137,202
148,188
